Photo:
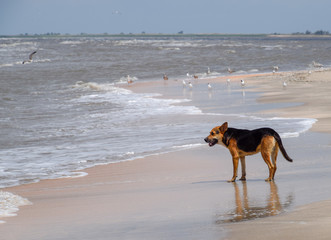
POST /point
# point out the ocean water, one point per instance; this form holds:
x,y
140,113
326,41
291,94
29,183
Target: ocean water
x,y
66,110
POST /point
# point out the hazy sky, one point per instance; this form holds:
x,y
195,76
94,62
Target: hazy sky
x,y
163,16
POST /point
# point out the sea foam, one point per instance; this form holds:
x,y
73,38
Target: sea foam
x,y
10,203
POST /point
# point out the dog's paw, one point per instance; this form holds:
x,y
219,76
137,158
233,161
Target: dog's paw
x,y
232,180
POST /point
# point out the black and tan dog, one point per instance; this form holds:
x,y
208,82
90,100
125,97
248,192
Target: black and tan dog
x,y
242,142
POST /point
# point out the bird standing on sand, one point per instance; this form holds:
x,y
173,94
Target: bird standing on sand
x,y
208,71
165,77
209,86
230,70
30,57
188,74
184,83
317,65
242,83
190,85
129,79
284,84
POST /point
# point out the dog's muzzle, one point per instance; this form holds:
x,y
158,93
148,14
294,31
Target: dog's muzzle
x,y
211,142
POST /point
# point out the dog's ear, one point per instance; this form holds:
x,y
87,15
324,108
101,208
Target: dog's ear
x,y
224,127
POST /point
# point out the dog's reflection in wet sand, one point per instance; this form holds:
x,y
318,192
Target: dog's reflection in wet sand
x,y
244,210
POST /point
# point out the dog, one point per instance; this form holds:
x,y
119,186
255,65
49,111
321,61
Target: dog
x,y
243,142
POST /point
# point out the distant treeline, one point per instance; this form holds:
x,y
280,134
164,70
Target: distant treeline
x,y
179,34
319,32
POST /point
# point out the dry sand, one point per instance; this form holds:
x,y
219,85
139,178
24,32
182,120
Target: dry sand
x,y
179,195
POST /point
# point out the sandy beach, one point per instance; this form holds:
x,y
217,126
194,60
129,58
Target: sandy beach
x,y
185,195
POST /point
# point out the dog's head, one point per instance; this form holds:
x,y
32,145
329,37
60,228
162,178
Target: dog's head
x,y
216,134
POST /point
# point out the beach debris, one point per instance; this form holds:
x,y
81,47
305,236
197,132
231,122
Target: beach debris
x,y
30,57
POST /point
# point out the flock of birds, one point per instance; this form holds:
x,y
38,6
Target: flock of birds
x,y
165,77
194,76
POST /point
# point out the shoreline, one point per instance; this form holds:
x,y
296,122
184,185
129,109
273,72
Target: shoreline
x,y
124,178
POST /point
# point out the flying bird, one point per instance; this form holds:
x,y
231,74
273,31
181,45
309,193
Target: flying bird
x,y
30,57
117,12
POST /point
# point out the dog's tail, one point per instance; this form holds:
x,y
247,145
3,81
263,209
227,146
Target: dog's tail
x,y
281,147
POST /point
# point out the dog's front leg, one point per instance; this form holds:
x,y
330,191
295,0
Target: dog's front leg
x,y
235,161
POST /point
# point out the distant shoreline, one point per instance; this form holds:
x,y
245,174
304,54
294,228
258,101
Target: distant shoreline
x,y
162,35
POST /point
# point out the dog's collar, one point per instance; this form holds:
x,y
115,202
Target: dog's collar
x,y
226,138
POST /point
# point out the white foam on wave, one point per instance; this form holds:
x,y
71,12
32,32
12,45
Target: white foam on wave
x,y
10,203
6,65
70,42
137,103
144,105
188,146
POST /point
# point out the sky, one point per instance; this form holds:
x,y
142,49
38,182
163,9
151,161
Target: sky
x,y
163,16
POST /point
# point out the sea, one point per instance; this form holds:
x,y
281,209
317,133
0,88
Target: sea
x,y
70,107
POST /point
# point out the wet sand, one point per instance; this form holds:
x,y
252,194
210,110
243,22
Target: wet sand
x,y
184,194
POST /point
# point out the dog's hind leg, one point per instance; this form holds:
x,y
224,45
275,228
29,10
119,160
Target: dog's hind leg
x,y
274,155
243,169
267,147
266,158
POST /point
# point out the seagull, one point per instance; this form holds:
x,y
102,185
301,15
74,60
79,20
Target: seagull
x,y
228,80
209,86
188,74
129,79
184,83
165,77
284,84
190,85
30,57
317,65
230,70
275,69
208,70
242,83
